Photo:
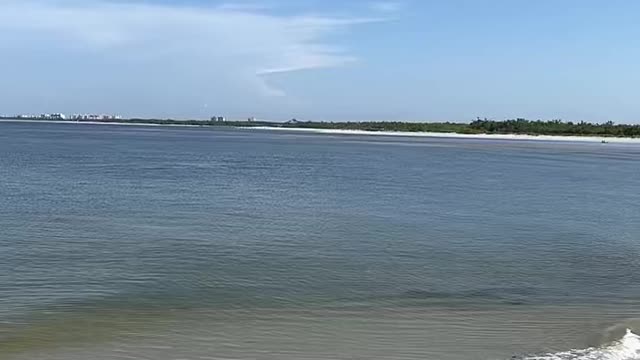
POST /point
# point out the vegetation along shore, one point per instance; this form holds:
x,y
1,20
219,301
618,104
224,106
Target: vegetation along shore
x,y
478,126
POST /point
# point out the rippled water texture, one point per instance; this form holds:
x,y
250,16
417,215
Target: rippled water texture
x,y
123,242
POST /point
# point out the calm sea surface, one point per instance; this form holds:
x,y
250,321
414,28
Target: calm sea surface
x,y
160,243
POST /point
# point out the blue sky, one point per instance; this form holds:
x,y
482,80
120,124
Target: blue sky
x,y
415,60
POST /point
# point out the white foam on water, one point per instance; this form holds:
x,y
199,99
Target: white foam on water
x,y
627,348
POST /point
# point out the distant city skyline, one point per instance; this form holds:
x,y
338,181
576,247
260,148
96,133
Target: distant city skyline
x,y
331,60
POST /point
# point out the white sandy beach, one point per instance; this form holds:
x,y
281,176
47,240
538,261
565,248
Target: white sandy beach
x,y
597,139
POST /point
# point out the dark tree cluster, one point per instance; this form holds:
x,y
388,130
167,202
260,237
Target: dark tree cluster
x,y
553,127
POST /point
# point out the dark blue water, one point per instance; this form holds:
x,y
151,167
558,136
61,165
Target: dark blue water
x,y
157,231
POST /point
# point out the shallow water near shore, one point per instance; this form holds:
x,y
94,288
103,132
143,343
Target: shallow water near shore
x,y
122,242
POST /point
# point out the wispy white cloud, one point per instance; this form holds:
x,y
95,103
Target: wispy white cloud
x,y
386,6
204,44
248,6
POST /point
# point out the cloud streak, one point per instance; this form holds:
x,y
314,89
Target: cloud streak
x,y
386,6
207,44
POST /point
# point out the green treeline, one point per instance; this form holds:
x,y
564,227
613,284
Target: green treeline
x,y
554,127
484,126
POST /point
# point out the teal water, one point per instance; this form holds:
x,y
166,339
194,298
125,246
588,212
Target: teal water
x,y
123,242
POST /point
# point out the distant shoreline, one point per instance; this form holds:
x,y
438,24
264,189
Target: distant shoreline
x,y
453,135
115,122
291,128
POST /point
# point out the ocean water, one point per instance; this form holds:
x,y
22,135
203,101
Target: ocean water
x,y
127,242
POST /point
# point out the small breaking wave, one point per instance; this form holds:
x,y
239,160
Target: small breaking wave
x,y
627,348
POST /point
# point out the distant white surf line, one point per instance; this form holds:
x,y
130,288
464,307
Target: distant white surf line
x,y
597,139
